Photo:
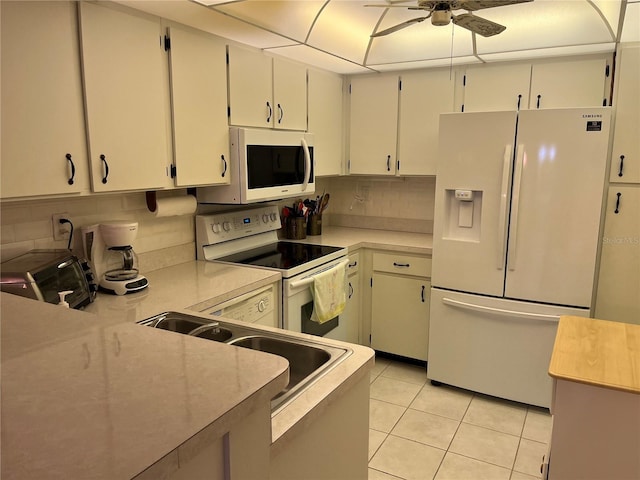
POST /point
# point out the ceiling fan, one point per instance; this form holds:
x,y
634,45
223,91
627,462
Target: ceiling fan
x,y
440,14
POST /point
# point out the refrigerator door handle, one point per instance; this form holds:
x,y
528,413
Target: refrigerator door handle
x,y
504,191
500,311
515,203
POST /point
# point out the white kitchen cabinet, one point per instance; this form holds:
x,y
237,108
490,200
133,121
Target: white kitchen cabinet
x,y
522,86
326,121
424,95
126,99
266,91
44,148
566,84
618,294
199,107
373,124
625,157
400,304
489,88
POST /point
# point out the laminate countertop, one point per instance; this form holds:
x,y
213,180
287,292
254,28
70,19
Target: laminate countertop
x,y
88,399
597,352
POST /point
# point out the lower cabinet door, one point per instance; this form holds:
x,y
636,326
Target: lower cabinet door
x,y
400,315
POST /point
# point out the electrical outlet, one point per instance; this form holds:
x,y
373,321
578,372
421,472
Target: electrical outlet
x,y
61,231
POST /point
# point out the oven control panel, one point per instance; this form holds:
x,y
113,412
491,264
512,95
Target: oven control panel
x,y
224,226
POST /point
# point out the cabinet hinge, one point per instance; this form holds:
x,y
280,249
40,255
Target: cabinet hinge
x,y
398,165
229,112
371,282
606,71
464,80
227,57
167,43
173,171
369,339
604,102
462,109
349,89
400,85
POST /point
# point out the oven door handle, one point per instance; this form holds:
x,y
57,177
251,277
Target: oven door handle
x,y
309,280
307,164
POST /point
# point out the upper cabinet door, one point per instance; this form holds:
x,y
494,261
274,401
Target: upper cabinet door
x,y
423,97
250,88
43,136
492,88
289,95
578,83
625,158
373,125
326,121
126,99
199,106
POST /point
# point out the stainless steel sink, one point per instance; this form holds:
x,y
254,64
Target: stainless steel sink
x,y
308,360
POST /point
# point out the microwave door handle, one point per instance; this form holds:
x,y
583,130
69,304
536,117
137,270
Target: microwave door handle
x,y
307,164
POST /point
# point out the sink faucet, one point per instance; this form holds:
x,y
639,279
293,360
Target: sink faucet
x,y
202,328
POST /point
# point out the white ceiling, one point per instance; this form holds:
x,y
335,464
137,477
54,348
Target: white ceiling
x,y
335,34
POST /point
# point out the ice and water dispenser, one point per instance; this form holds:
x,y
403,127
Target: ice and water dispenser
x,y
463,210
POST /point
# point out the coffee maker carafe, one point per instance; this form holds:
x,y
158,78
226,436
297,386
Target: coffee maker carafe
x,y
120,274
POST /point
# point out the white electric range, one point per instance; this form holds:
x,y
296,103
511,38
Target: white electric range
x,y
249,237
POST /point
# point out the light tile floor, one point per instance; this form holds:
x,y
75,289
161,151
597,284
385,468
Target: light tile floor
x,y
418,431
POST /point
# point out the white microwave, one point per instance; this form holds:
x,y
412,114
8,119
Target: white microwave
x,y
266,165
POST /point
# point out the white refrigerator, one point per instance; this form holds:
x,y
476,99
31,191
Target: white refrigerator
x,y
517,213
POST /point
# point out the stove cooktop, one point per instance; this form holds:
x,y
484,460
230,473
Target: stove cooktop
x,y
280,255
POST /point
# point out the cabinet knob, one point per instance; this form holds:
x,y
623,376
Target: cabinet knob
x,y
538,103
105,168
620,169
73,169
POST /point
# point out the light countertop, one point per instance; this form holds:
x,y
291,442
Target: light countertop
x,y
86,399
597,352
355,238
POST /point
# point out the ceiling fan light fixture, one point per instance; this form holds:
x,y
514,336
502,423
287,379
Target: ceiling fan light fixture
x,y
440,18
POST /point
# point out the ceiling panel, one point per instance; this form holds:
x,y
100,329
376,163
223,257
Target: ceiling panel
x,y
335,34
291,19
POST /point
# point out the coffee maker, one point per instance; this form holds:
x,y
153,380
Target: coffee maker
x,y
119,269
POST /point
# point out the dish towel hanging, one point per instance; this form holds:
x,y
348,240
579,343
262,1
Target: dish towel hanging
x,y
329,293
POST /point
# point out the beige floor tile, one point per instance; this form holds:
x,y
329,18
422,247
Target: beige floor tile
x,y
375,440
457,467
445,401
383,415
485,445
393,391
377,475
529,457
521,476
500,415
426,428
537,425
406,372
379,365
407,459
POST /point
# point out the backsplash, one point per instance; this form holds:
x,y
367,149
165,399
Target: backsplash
x,y
160,242
398,204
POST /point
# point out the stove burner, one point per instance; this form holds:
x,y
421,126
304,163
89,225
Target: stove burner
x,y
280,255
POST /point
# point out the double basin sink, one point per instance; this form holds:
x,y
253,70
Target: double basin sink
x,y
308,360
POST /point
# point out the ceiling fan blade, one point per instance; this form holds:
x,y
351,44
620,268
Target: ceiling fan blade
x,y
392,4
478,25
473,5
400,26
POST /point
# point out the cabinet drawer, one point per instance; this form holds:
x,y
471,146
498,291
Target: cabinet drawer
x,y
354,263
403,264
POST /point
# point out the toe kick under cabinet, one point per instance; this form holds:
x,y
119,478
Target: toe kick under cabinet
x,y
400,286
